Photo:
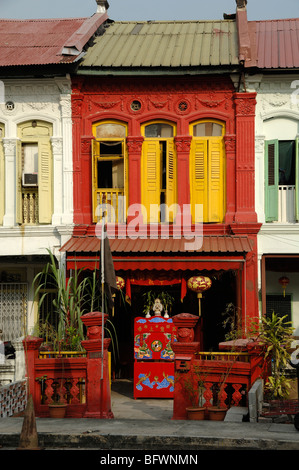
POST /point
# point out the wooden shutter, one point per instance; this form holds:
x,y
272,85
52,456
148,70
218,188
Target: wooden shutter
x,y
45,196
297,179
271,180
216,194
171,178
198,177
19,204
151,178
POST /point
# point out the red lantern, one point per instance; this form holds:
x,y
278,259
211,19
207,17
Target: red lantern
x,y
199,284
120,282
284,282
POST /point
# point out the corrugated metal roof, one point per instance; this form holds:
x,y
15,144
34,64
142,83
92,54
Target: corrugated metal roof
x,y
41,41
276,43
168,44
211,244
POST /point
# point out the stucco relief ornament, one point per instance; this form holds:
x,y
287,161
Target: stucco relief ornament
x,y
245,106
277,100
158,104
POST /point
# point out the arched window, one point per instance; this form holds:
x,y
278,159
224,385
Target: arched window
x,y
34,173
110,163
207,171
159,171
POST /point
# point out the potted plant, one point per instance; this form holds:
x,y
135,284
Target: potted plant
x,y
217,411
193,386
276,335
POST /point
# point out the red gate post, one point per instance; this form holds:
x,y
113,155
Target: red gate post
x,y
98,394
31,349
184,350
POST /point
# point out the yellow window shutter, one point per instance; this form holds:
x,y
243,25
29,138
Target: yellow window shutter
x,y
171,178
216,180
45,204
151,179
19,204
198,177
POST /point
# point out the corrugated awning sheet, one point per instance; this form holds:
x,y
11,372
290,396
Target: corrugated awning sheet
x,y
167,44
211,244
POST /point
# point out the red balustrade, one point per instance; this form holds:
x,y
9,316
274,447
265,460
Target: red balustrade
x,y
81,382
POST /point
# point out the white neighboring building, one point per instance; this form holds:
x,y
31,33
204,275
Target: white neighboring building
x,y
273,72
36,158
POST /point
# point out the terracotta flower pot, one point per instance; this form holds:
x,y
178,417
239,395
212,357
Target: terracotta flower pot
x,y
196,413
217,414
57,410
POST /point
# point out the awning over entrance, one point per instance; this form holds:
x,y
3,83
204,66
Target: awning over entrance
x,y
146,253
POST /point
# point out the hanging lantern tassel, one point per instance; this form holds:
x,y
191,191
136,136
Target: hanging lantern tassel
x,y
284,281
199,284
120,283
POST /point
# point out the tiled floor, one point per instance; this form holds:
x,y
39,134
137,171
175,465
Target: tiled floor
x,y
124,406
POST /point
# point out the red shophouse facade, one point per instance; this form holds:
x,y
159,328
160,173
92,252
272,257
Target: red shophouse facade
x,y
228,246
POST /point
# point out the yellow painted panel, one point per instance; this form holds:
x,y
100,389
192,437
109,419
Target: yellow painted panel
x,y
45,182
171,179
216,180
199,177
151,179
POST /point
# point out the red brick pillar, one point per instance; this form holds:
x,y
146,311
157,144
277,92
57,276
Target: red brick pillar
x,y
31,349
245,157
184,350
134,145
98,393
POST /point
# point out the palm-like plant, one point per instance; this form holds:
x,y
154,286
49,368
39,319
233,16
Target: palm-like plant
x,y
70,301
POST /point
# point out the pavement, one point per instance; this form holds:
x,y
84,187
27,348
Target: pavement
x,y
146,426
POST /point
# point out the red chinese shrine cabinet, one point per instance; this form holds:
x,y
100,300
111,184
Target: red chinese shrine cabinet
x,y
154,358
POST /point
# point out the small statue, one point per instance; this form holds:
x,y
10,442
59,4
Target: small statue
x,y
157,308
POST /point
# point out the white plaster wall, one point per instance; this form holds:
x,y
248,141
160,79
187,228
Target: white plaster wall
x,y
47,99
277,117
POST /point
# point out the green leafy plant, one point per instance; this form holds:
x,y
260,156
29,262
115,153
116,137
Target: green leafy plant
x,y
193,385
275,333
70,302
150,296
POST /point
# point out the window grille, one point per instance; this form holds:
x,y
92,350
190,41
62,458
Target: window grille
x,y
13,310
280,305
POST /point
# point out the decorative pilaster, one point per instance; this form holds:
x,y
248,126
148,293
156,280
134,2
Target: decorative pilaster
x,y
230,152
245,157
57,181
183,144
77,104
67,176
134,145
10,159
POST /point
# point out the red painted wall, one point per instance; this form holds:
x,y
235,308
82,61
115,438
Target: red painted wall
x,y
214,97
